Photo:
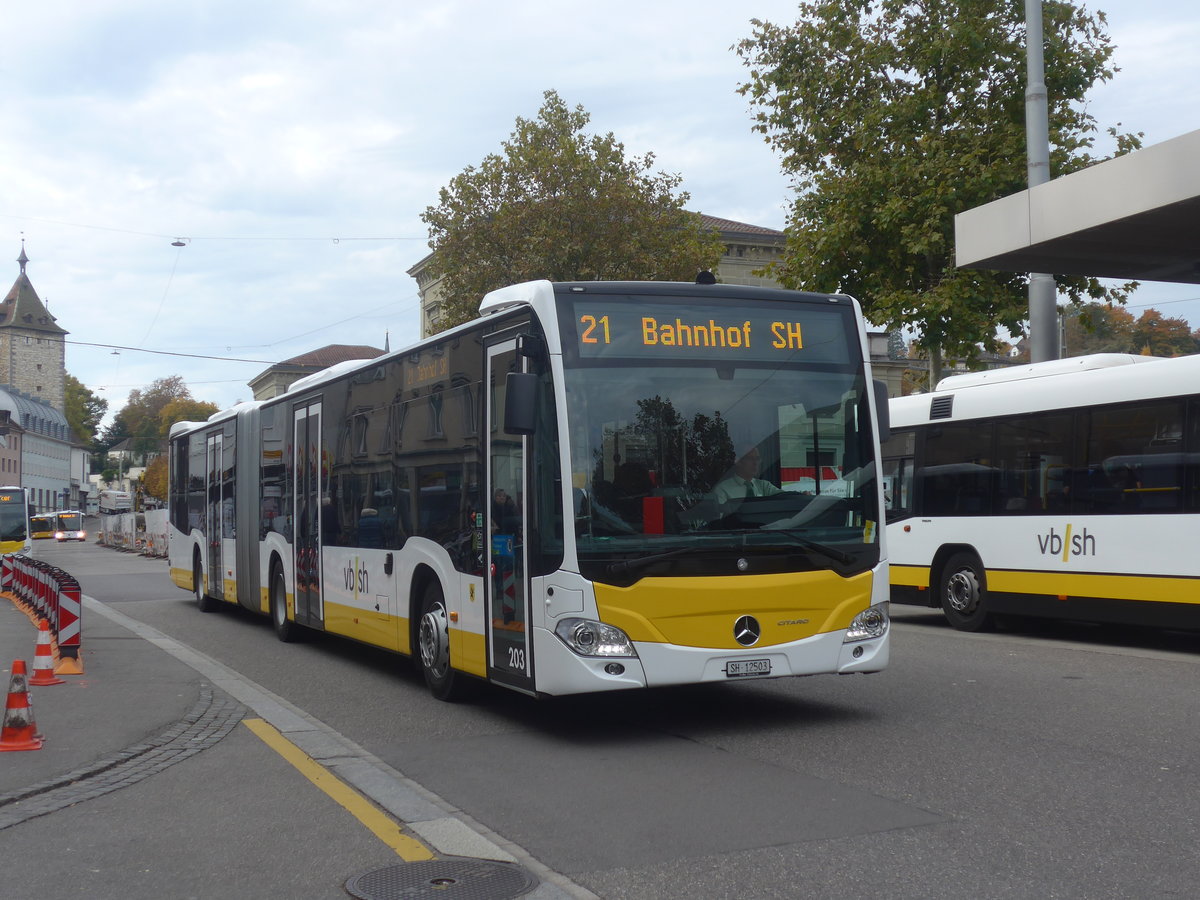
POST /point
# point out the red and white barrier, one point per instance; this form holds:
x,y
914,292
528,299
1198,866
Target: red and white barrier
x,y
52,595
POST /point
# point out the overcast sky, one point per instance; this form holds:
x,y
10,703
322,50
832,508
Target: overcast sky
x,y
293,146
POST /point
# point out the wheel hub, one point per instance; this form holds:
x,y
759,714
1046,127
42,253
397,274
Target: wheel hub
x,y
962,592
434,641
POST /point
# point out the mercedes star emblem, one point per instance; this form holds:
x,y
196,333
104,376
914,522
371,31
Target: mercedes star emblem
x,y
746,631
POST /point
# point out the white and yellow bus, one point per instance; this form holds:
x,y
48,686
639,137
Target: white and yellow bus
x,y
14,521
41,526
68,526
1065,489
532,498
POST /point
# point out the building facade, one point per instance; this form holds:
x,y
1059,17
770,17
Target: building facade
x,y
45,459
278,378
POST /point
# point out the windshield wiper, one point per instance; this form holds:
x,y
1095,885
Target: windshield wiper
x,y
629,565
825,550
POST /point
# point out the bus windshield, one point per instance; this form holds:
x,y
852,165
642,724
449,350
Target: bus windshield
x,y
13,522
735,446
69,521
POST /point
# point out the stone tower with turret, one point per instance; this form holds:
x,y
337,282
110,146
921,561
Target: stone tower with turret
x,y
32,345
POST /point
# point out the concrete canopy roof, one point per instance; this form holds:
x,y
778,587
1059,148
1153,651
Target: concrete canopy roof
x,y
1133,217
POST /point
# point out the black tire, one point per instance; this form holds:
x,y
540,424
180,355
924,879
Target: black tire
x,y
285,629
204,603
964,593
433,647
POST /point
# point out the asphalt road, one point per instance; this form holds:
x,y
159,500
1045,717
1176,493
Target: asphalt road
x,y
1055,762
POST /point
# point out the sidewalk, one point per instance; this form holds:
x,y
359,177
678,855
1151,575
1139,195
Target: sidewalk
x,y
130,693
147,701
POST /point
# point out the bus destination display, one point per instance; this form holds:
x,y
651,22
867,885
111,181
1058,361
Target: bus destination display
x,y
688,330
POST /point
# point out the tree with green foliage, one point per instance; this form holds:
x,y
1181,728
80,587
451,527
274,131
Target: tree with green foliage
x,y
892,116
154,479
1097,328
84,410
562,205
183,409
143,418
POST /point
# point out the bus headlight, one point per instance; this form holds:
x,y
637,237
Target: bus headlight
x,y
870,623
590,638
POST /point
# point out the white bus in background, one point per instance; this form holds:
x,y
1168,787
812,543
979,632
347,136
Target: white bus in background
x,y
1067,489
115,502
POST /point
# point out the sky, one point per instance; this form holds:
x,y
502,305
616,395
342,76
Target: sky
x,y
292,147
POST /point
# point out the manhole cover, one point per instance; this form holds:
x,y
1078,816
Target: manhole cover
x,y
471,879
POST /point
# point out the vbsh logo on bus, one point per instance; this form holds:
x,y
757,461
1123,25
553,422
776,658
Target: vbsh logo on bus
x,y
1067,544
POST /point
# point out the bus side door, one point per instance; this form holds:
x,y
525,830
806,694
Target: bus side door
x,y
507,620
307,489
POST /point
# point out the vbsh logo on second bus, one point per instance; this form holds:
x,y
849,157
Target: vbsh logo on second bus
x,y
1067,544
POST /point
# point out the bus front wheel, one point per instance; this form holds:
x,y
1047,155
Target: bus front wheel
x,y
964,593
433,647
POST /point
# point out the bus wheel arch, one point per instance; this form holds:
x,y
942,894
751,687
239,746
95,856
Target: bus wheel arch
x,y
204,602
962,590
285,629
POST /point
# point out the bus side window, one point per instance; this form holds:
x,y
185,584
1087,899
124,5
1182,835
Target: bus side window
x,y
897,488
898,453
1192,458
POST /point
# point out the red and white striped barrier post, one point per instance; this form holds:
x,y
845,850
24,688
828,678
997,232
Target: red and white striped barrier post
x,y
70,627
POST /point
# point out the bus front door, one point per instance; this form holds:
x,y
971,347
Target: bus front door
x,y
307,489
508,639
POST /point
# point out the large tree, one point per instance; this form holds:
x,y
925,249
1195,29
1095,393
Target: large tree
x,y
144,415
563,205
892,116
1096,328
183,410
84,410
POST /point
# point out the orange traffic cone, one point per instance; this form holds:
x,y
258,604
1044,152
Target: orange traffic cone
x,y
43,659
19,731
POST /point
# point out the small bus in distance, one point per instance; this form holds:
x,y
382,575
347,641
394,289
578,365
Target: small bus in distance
x,y
69,526
41,526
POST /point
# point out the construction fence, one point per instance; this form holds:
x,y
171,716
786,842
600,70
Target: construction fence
x,y
136,532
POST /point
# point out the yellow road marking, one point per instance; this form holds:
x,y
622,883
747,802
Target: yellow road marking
x,y
407,848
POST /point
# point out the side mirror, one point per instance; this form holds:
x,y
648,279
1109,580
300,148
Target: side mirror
x,y
881,410
520,403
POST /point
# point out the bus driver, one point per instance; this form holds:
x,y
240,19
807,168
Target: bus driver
x,y
743,482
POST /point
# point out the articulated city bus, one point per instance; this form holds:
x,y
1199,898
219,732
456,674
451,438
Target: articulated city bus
x,y
14,521
1065,489
544,498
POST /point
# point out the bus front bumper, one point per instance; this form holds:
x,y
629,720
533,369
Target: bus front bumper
x,y
561,671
